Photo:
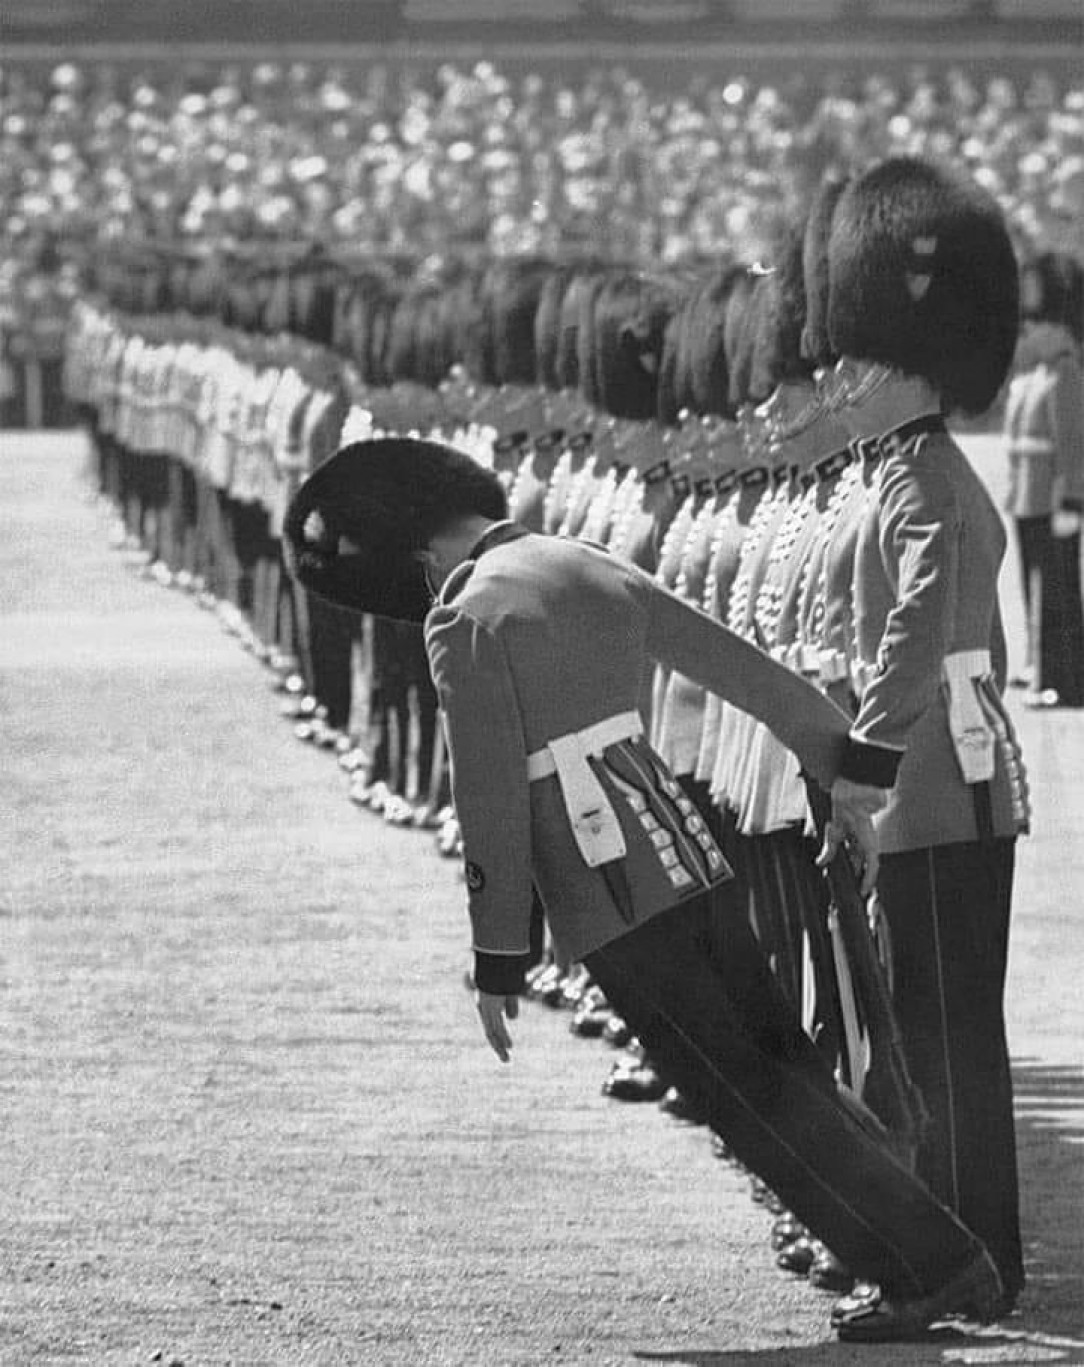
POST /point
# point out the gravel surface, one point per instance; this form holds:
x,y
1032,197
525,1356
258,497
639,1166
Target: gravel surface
x,y
247,1114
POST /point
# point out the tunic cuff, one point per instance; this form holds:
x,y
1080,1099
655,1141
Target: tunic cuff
x,y
864,762
501,975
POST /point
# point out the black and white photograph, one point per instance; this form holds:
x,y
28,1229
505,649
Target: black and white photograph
x,y
541,683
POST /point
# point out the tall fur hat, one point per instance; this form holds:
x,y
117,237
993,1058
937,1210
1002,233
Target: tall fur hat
x,y
630,317
586,336
672,389
581,284
923,278
386,497
547,324
708,329
312,297
744,310
816,344
777,346
514,296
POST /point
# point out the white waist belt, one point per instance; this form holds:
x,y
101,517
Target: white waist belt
x,y
1031,446
804,658
594,822
832,666
972,735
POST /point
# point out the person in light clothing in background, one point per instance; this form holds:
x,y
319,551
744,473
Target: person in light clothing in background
x,y
1044,434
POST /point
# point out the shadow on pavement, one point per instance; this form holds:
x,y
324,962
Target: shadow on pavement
x,y
1050,1144
1049,1325
969,1346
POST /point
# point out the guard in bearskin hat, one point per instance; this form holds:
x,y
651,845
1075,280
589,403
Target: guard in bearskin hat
x,y
1044,431
923,313
538,646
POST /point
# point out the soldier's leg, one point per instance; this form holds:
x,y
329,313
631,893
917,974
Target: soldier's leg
x,y
333,631
381,691
228,566
948,911
249,526
1061,630
714,1015
426,713
172,551
1032,538
158,509
206,537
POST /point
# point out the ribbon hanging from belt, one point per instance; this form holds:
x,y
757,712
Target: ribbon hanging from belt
x,y
972,735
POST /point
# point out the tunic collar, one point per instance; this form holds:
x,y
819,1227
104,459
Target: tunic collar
x,y
497,535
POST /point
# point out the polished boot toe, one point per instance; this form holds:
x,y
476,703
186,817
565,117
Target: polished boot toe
x,y
590,1021
721,1149
534,973
617,1032
829,1273
449,840
975,1292
592,1015
861,1294
785,1230
550,988
575,987
799,1256
398,811
678,1106
640,1083
764,1196
354,761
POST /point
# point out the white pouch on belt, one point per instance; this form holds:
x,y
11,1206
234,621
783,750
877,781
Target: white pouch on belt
x,y
594,822
972,736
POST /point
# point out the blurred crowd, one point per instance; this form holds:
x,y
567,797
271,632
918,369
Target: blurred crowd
x,y
427,161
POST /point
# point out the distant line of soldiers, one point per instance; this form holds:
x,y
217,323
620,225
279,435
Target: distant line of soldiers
x,y
697,422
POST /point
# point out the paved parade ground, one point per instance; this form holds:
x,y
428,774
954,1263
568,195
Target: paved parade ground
x,y
248,1116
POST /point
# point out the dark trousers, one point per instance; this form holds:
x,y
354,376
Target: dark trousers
x,y
400,672
332,632
1050,574
948,915
707,1007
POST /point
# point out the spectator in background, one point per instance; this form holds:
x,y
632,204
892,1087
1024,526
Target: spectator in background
x,y
1044,429
433,162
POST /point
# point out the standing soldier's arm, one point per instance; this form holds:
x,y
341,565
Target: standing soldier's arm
x,y
919,529
490,788
800,715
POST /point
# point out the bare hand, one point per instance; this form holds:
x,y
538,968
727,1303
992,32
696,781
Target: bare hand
x,y
493,1010
851,826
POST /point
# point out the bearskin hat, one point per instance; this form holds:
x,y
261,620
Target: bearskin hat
x,y
673,369
702,357
312,298
514,295
586,337
777,346
816,344
386,498
744,312
630,316
547,325
923,278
